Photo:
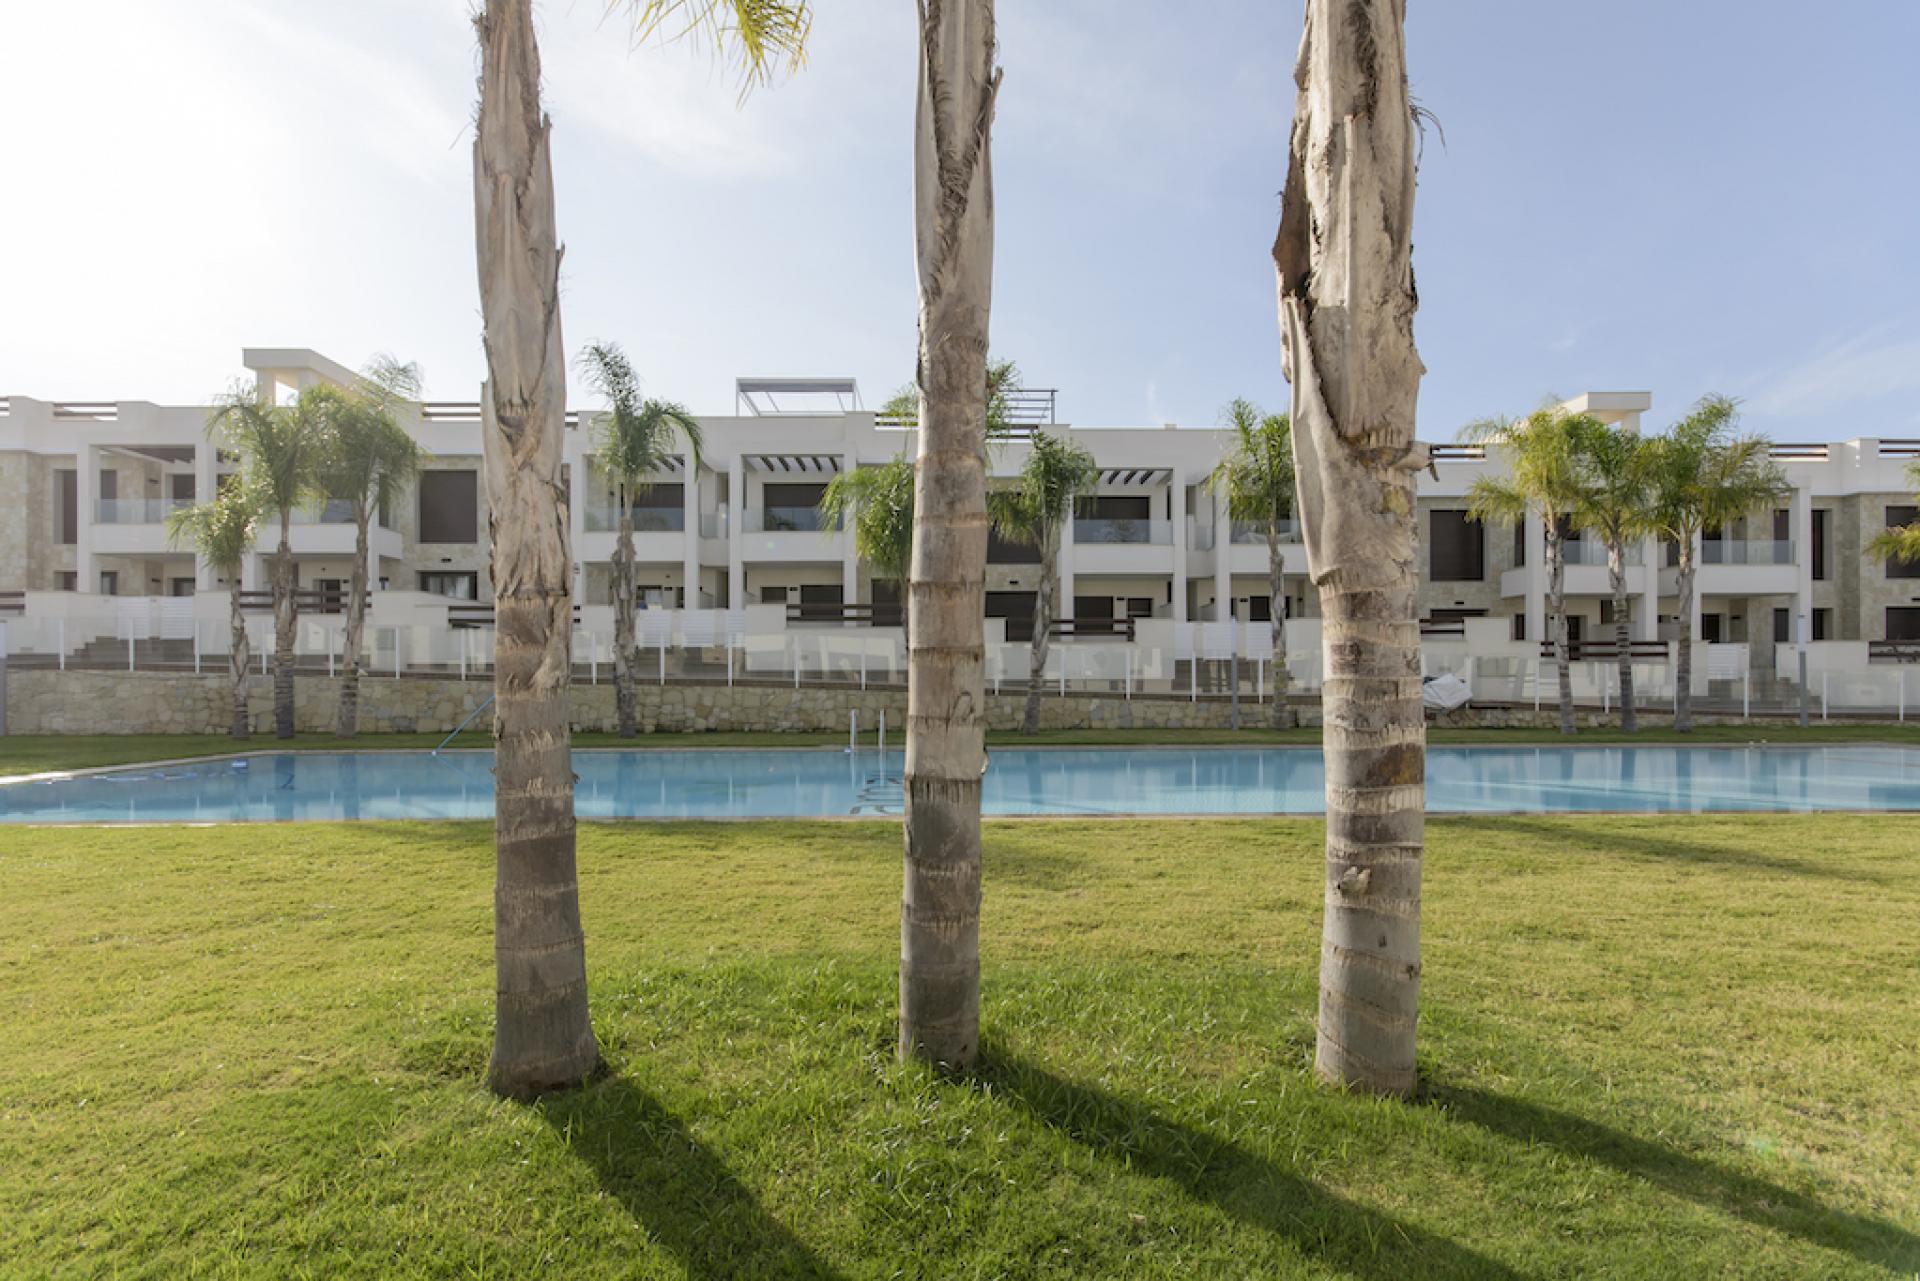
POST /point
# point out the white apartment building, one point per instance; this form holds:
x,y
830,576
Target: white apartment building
x,y
85,488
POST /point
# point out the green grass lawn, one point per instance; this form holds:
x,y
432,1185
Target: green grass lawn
x,y
1658,1048
28,754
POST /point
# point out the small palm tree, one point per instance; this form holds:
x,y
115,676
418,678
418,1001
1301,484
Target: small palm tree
x,y
1542,453
1034,512
1614,471
633,440
1257,481
222,530
877,503
1704,475
543,1035
281,448
1903,541
368,461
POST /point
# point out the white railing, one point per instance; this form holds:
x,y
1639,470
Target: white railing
x,y
1756,551
137,511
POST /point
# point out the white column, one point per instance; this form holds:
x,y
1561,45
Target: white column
x,y
1063,606
849,559
690,548
205,484
577,492
1223,557
1535,535
736,532
1178,488
87,491
1801,516
1646,625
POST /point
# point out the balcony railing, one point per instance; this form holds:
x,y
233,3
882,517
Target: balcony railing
x,y
1122,531
1249,531
788,520
136,511
713,524
335,511
1745,551
646,520
1591,551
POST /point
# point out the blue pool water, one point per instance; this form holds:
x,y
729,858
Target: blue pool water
x,y
778,784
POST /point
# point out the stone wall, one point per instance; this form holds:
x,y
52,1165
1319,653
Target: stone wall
x,y
41,701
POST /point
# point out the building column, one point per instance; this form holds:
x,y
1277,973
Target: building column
x,y
205,485
1223,558
577,477
1535,536
736,532
87,491
1801,516
1177,487
1064,607
690,547
849,559
1646,623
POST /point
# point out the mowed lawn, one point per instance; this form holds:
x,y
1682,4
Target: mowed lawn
x,y
1660,1048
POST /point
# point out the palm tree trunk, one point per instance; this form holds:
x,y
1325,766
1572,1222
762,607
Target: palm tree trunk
x,y
286,617
1683,668
543,1037
1622,636
349,723
1282,717
1557,616
626,655
1344,260
1042,625
238,656
946,694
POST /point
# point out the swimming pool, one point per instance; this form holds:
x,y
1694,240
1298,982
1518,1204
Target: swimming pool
x,y
715,783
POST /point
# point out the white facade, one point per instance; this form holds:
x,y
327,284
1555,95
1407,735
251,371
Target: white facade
x,y
87,488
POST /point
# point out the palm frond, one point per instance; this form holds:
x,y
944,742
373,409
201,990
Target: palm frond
x,y
1257,475
878,499
635,437
760,36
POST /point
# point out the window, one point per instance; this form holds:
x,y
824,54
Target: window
x,y
109,485
1459,548
453,585
1140,606
796,507
180,486
109,582
1898,517
66,505
1519,543
1822,623
449,509
1782,626
67,580
1710,628
1260,609
1002,550
1017,608
773,595
1519,627
180,587
1822,528
1903,622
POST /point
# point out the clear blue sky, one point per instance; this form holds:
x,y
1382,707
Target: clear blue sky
x,y
1678,197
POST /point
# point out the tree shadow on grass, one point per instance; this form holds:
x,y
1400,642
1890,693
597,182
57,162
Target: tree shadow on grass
x,y
1706,1183
1272,1198
1668,845
674,1186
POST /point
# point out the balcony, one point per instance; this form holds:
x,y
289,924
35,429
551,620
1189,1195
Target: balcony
x,y
1591,551
646,520
137,511
1753,551
335,511
788,520
1247,531
1144,532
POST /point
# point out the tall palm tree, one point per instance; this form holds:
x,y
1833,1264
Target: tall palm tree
x,y
946,689
1257,481
878,500
543,1038
1705,475
1614,473
1034,512
280,448
1542,454
633,440
368,461
1344,259
222,530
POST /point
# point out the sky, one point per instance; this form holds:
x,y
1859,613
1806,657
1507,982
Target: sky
x,y
1649,195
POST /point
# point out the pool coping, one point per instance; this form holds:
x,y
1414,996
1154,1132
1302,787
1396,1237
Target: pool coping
x,y
48,776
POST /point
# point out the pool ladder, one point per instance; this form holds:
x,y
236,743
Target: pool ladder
x,y
463,724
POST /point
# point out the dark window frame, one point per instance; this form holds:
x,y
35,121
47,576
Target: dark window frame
x,y
435,518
